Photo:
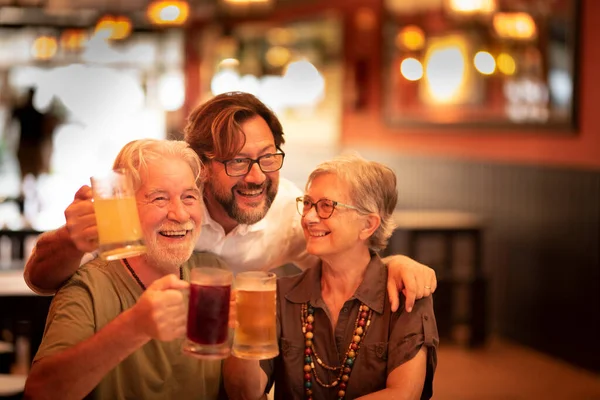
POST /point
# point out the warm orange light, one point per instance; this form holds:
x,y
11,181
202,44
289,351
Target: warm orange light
x,y
122,28
73,39
517,25
506,64
113,27
44,47
245,1
410,37
168,12
472,6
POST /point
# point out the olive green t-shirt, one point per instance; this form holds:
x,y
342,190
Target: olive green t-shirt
x,y
93,297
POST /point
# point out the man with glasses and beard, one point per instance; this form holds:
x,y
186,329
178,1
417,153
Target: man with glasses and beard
x,y
249,212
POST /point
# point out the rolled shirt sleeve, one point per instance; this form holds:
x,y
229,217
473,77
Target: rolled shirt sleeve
x,y
411,331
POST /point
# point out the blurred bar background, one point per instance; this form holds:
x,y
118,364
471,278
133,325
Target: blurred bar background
x,y
484,108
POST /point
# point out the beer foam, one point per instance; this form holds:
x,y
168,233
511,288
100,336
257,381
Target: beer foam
x,y
256,287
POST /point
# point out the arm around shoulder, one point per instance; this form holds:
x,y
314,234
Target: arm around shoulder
x,y
53,261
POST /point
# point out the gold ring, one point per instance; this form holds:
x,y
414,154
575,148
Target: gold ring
x,y
427,287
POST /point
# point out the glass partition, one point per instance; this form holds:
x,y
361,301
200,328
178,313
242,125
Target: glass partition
x,y
481,63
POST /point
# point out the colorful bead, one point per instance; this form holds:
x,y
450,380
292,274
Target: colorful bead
x,y
363,320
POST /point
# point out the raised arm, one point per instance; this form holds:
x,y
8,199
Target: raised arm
x,y
57,254
410,277
76,371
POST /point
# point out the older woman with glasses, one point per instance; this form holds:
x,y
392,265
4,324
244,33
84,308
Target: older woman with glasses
x,y
338,337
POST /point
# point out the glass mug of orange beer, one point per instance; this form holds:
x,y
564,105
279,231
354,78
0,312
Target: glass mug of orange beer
x,y
119,229
255,336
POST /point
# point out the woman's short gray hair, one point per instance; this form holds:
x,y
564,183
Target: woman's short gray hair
x,y
372,188
135,155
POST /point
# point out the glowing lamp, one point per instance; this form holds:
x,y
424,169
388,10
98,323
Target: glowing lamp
x,y
113,27
44,47
168,12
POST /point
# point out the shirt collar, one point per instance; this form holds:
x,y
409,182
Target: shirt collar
x,y
371,291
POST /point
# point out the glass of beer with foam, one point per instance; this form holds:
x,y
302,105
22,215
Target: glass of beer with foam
x,y
255,336
119,229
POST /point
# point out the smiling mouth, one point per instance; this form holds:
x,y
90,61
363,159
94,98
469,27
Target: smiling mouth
x,y
250,192
174,234
318,234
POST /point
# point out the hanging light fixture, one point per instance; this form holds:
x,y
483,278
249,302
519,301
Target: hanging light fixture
x,y
168,12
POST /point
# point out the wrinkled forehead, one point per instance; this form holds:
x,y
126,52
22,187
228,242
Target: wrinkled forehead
x,y
166,172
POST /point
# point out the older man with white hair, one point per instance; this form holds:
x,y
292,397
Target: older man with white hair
x,y
115,329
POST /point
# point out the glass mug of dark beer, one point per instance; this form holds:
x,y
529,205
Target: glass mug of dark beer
x,y
208,314
255,336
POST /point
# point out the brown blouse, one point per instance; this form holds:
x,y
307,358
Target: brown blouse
x,y
391,340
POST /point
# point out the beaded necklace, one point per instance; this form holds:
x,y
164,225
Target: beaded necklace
x,y
363,321
137,278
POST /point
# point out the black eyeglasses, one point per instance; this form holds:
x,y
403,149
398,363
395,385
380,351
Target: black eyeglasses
x,y
324,207
241,166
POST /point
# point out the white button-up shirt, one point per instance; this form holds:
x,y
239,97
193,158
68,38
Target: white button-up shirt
x,y
274,241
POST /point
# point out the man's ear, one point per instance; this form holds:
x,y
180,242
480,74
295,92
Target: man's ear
x,y
372,222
